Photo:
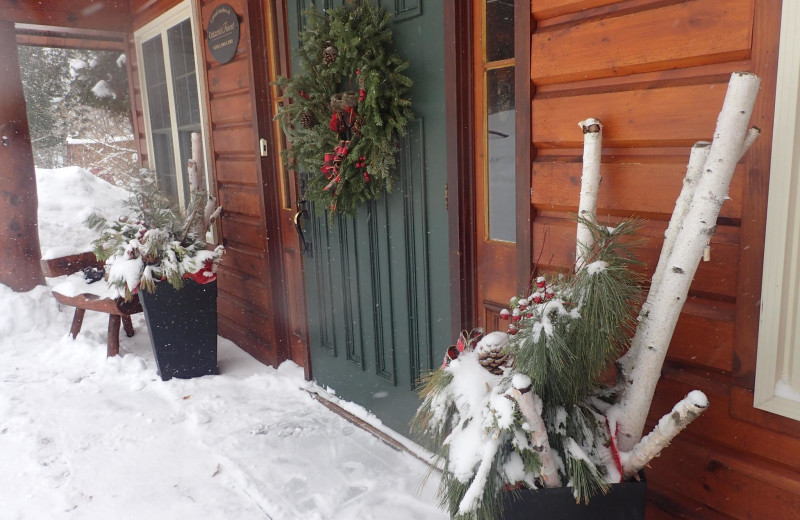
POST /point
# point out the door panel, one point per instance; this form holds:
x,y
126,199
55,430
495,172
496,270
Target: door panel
x,y
378,283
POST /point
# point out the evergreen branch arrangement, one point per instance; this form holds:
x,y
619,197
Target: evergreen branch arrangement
x,y
349,106
529,408
153,242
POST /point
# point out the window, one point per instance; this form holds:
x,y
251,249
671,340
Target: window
x,y
171,89
778,367
497,66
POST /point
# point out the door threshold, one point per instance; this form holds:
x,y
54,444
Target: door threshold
x,y
372,425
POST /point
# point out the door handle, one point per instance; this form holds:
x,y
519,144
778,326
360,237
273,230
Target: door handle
x,y
305,247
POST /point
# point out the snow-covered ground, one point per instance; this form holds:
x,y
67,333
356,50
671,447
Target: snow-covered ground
x,y
86,437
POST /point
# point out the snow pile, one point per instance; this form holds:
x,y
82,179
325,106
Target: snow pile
x,y
97,437
66,197
89,437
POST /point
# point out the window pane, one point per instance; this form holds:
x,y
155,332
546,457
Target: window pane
x,y
160,120
501,137
164,164
184,78
499,29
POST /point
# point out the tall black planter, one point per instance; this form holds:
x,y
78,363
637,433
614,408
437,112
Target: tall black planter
x,y
624,501
183,328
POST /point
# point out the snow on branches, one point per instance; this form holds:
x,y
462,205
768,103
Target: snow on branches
x,y
530,408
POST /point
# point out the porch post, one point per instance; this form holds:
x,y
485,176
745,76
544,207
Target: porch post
x,y
20,252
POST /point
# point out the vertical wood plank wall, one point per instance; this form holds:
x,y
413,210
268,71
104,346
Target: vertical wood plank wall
x,y
655,73
245,310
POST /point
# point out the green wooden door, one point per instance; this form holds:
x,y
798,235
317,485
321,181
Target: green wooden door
x,y
377,285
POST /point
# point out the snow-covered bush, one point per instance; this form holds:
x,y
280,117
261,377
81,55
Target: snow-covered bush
x,y
152,242
527,408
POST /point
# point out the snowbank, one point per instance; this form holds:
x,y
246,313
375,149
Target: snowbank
x,y
66,197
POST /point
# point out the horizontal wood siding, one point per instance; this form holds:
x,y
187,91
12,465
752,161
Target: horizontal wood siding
x,y
246,313
655,73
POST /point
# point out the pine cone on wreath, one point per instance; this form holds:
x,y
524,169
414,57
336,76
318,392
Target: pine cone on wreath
x,y
357,124
329,53
307,120
491,353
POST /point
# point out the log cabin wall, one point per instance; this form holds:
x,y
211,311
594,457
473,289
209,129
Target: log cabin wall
x,y
655,73
245,300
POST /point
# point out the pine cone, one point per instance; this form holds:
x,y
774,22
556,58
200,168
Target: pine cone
x,y
357,124
492,358
307,119
329,54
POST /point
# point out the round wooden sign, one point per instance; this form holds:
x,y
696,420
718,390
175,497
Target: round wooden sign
x,y
223,33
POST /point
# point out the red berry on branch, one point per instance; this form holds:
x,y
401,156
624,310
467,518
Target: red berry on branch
x,y
504,314
537,298
366,177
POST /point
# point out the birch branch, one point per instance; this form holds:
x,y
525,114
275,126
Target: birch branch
x,y
211,212
530,406
699,225
590,186
697,159
196,164
667,428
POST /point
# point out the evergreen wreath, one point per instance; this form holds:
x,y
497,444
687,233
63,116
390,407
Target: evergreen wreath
x,y
348,107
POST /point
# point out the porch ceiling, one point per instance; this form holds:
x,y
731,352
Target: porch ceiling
x,y
101,15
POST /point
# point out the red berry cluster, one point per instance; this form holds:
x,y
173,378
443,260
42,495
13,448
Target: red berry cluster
x,y
523,308
362,163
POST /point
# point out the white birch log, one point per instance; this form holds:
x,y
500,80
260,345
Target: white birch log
x,y
211,212
697,159
196,164
590,186
699,225
667,428
530,406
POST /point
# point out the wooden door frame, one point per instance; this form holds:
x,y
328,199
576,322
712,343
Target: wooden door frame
x,y
525,152
460,140
459,71
458,67
261,97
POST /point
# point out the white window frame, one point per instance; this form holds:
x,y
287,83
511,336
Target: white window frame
x,y
159,26
778,360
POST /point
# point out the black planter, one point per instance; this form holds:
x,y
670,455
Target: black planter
x,y
624,501
183,328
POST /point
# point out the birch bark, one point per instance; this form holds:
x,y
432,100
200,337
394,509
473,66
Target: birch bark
x,y
590,186
699,225
697,159
530,406
667,428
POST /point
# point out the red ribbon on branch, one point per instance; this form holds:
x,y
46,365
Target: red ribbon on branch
x,y
333,162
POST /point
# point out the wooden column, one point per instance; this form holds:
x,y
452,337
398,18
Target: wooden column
x,y
19,238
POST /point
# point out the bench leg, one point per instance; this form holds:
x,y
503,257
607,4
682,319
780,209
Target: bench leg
x,y
127,324
77,322
113,335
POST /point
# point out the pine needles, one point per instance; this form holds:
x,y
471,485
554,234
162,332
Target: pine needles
x,y
563,336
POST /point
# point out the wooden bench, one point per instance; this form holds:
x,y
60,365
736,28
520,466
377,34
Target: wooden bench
x,y
91,297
